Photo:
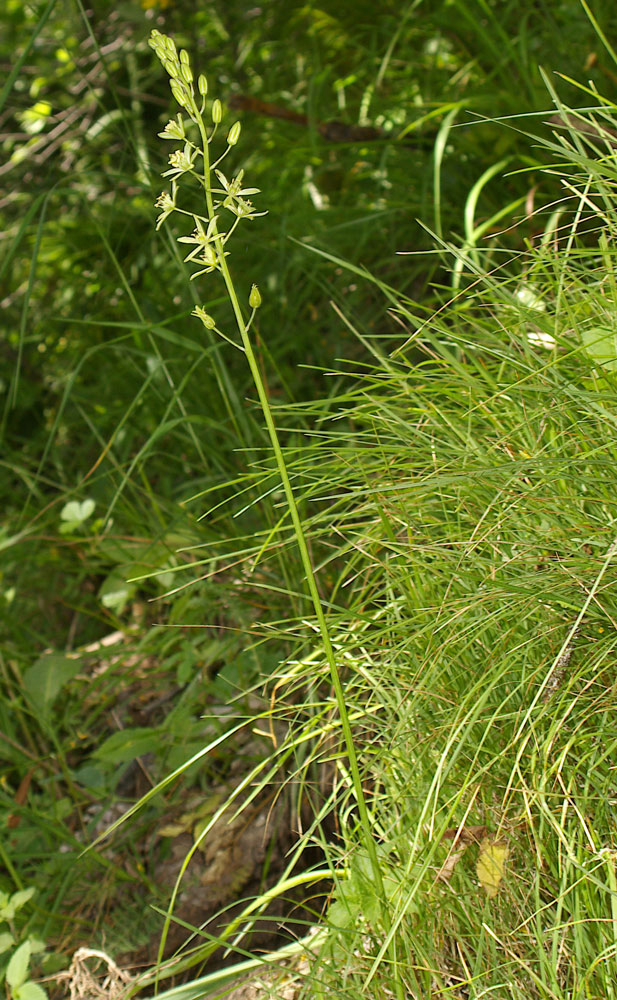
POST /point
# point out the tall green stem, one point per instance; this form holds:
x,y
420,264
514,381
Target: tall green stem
x,y
311,580
298,529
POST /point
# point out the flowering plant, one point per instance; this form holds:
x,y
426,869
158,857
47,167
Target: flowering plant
x,y
208,242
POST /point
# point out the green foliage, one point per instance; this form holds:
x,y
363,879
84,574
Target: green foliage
x,y
602,346
46,678
475,523
16,971
454,476
354,915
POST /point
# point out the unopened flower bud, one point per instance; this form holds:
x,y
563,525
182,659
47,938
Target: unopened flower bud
x,y
186,73
202,85
179,93
184,57
234,134
217,111
255,298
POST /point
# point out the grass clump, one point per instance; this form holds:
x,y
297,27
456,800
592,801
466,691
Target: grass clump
x,y
465,492
458,495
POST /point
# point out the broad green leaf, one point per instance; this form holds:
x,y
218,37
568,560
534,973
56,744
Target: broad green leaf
x,y
17,970
19,899
6,941
115,593
30,991
341,915
91,776
74,513
119,748
45,679
601,344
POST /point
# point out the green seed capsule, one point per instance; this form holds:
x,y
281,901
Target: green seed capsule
x,y
255,298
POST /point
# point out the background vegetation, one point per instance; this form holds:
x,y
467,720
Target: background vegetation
x,y
455,474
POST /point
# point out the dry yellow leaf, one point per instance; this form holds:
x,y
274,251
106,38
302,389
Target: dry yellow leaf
x,y
491,865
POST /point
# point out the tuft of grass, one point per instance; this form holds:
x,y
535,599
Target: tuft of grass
x,y
458,494
464,496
